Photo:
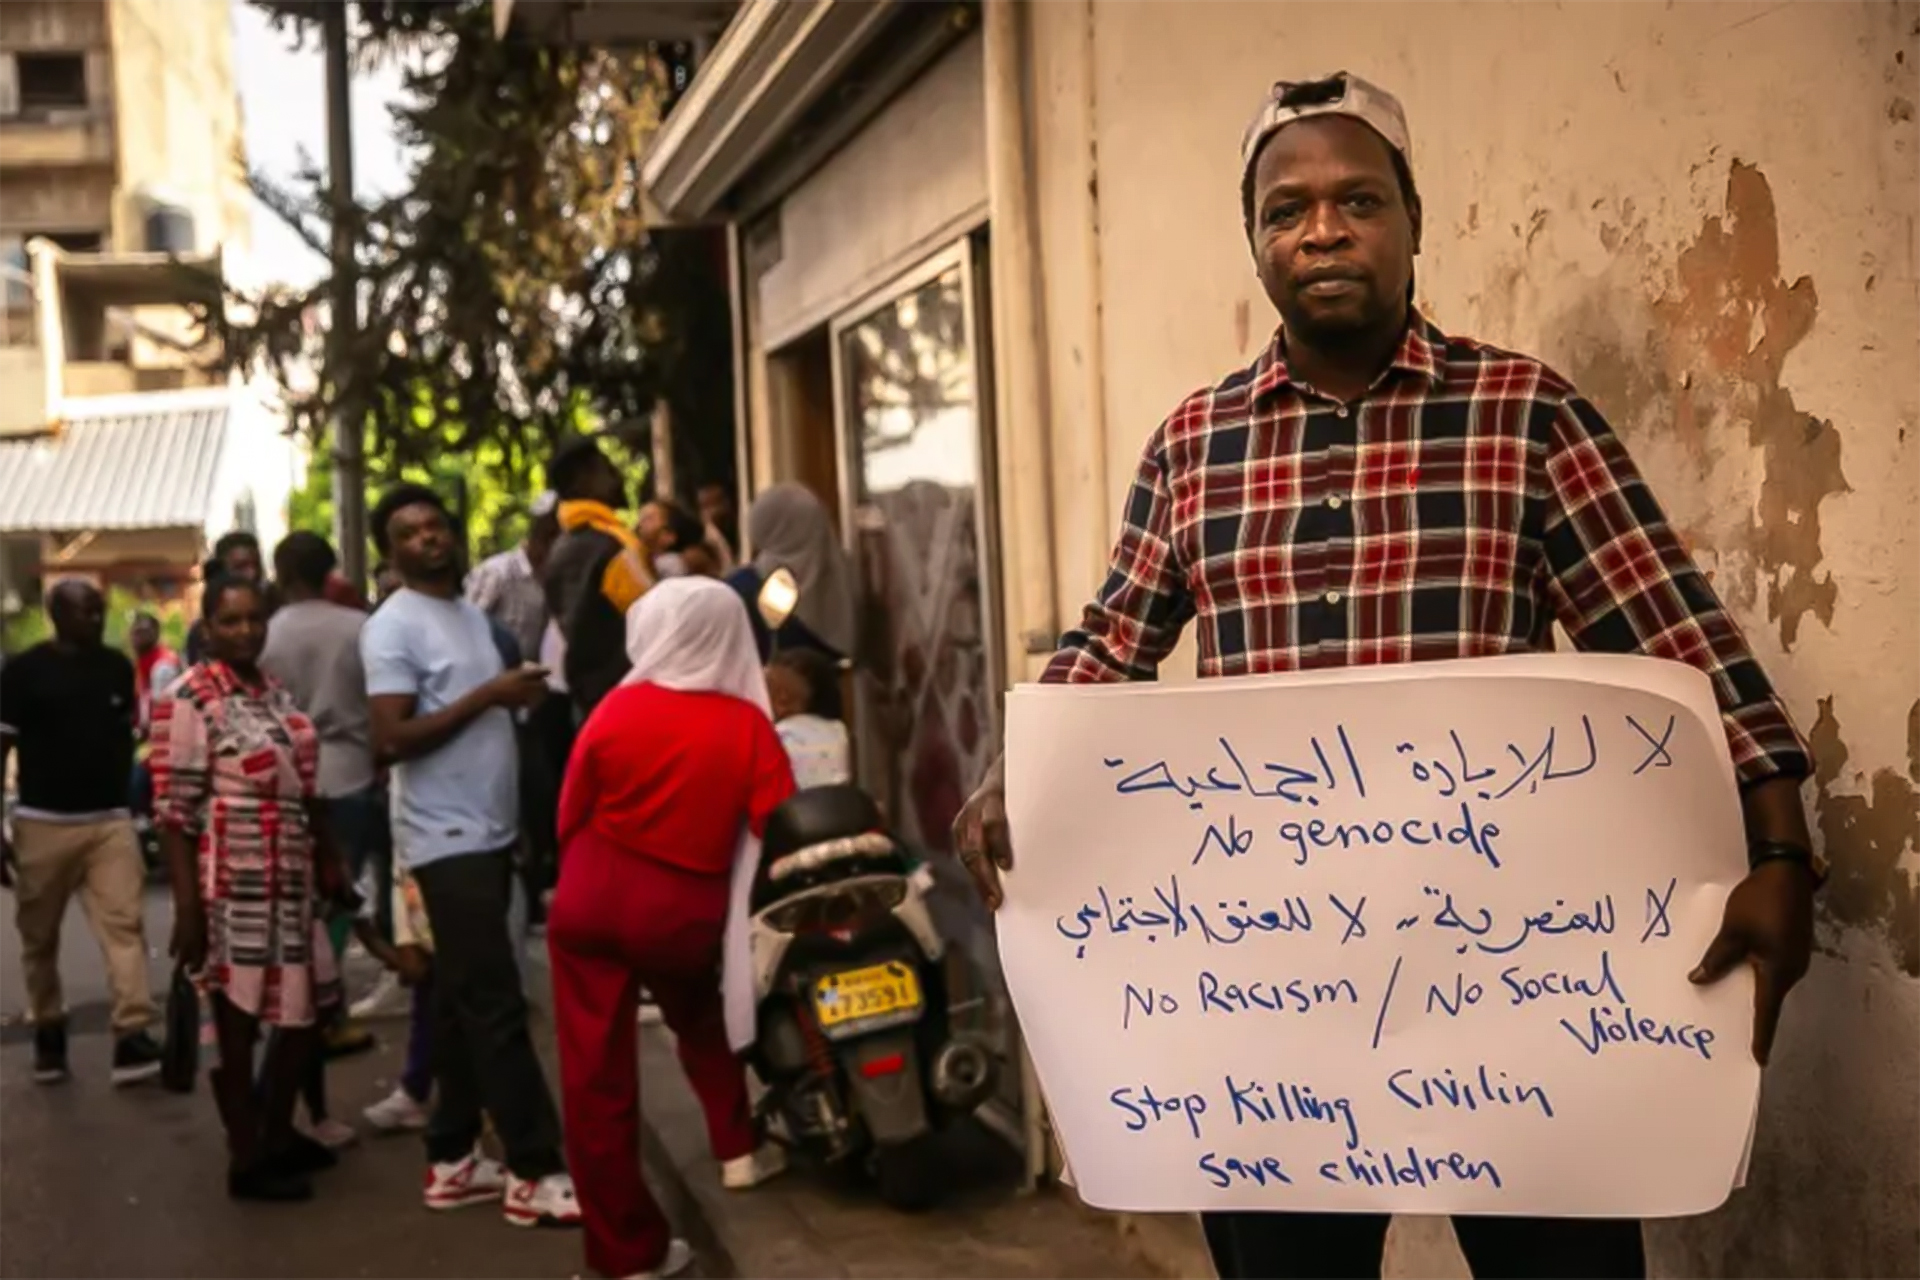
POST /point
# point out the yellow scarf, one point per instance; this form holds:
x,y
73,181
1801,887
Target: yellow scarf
x,y
628,574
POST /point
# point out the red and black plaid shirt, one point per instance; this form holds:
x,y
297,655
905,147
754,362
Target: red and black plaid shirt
x,y
1467,501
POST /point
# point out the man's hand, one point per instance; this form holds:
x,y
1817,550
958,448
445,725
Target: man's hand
x,y
189,944
981,837
1769,924
410,963
519,688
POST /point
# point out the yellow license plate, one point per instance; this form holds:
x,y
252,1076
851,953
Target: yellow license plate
x,y
872,992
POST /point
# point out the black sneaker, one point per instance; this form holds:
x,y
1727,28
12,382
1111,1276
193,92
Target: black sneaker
x,y
301,1157
265,1183
135,1058
50,1053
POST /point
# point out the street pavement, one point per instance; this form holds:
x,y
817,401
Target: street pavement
x,y
104,1182
97,1181
811,1224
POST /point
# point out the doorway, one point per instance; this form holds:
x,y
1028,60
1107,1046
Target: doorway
x,y
913,407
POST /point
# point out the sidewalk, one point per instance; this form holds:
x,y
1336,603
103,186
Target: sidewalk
x,y
803,1224
99,1181
806,1225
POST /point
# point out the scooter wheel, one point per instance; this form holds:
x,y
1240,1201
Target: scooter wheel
x,y
907,1174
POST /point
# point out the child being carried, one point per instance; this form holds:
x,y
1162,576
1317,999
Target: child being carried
x,y
804,687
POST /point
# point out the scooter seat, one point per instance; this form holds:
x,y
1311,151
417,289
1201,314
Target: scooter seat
x,y
822,835
818,815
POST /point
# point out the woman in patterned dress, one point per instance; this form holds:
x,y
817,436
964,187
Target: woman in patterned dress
x,y
233,770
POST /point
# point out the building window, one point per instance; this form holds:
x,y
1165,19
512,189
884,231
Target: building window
x,y
74,241
51,81
16,289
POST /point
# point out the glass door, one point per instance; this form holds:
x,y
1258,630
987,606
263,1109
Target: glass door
x,y
914,411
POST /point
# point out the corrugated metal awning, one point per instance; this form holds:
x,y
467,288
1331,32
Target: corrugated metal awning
x,y
122,469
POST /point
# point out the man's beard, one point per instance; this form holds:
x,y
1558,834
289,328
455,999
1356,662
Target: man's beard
x,y
433,571
1333,330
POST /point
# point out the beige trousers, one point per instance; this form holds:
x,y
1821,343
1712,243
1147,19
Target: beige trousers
x,y
101,862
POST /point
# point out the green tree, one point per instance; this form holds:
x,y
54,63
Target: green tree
x,y
488,490
513,294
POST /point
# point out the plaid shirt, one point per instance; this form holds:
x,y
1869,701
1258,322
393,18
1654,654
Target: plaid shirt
x,y
1468,500
505,589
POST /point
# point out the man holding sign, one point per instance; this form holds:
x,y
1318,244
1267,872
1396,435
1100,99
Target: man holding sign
x,y
1371,490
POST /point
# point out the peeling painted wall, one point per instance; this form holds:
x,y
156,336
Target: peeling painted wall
x,y
1705,214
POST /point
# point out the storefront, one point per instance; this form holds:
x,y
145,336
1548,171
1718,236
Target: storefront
x,y
862,256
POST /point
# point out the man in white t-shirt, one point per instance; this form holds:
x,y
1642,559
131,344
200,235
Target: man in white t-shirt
x,y
442,710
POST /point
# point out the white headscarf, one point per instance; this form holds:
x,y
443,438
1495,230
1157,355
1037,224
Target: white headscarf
x,y
692,635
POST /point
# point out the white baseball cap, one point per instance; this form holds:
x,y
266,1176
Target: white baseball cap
x,y
1340,94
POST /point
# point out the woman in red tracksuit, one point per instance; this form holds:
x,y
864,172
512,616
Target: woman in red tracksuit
x,y
669,785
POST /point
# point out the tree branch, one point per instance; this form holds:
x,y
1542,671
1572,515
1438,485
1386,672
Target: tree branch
x,y
306,217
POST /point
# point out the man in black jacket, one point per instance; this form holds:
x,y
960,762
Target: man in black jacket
x,y
597,569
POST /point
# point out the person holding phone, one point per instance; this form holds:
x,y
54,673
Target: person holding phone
x,y
442,706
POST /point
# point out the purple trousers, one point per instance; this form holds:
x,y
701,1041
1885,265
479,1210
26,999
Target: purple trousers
x,y
417,1077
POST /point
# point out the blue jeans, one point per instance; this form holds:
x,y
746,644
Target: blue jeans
x,y
140,790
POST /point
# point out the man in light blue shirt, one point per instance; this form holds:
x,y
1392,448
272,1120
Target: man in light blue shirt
x,y
463,796
442,705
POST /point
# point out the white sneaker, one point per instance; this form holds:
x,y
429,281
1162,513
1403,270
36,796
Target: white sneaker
x,y
679,1258
388,999
396,1113
334,1135
747,1172
460,1183
543,1202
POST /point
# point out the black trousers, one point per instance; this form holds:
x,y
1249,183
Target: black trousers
x,y
546,741
1346,1246
483,1058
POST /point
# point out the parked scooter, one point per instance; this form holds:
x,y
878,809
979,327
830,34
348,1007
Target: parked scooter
x,y
855,1044
854,1040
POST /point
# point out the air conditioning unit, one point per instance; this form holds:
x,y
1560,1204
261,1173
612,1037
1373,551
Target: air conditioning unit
x,y
166,224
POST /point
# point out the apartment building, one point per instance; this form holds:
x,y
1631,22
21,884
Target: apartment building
x,y
119,126
123,446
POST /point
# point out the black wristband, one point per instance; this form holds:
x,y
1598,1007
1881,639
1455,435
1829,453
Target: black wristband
x,y
1761,852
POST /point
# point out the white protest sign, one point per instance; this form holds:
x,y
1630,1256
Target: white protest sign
x,y
1405,939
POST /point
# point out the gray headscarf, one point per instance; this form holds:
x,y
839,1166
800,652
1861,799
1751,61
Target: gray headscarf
x,y
791,531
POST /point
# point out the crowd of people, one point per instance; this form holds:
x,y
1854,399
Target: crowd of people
x,y
598,719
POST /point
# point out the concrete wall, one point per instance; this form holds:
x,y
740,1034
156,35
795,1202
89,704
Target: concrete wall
x,y
911,182
163,112
57,199
179,117
1705,215
24,374
57,170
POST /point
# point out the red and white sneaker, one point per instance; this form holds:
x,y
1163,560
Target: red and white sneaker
x,y
459,1183
542,1202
